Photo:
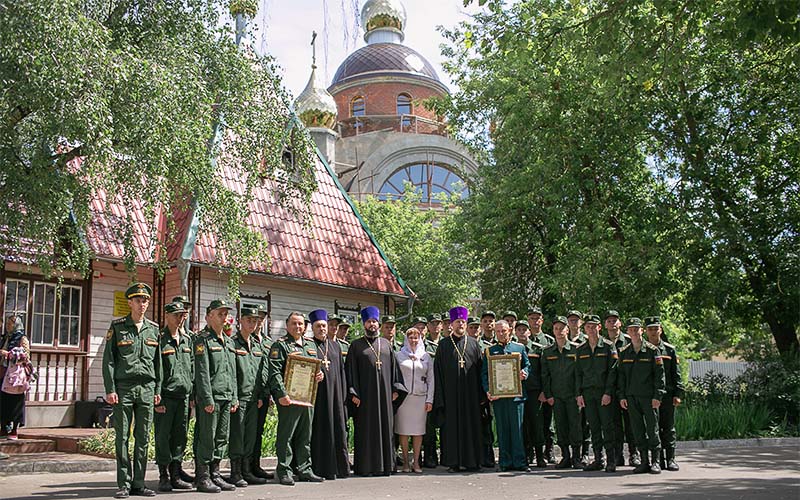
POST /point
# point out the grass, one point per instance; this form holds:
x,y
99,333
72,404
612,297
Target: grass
x,y
723,420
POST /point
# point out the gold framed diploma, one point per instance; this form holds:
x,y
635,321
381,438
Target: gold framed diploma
x,y
504,379
300,379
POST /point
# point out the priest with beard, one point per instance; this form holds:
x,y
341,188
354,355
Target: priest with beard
x,y
375,389
329,458
458,396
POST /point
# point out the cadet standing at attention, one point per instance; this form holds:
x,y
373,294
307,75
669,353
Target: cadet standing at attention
x,y
622,422
263,339
532,428
535,321
132,380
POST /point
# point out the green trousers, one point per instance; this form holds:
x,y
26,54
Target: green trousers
x,y
293,439
666,424
601,421
644,421
211,432
568,422
487,458
171,429
508,416
533,424
623,433
258,437
244,428
135,407
547,424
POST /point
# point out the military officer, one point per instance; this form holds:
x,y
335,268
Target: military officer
x,y
673,396
622,422
446,328
341,334
487,329
532,429
510,317
420,323
333,323
575,320
559,366
216,396
259,336
293,438
641,388
389,332
172,414
596,377
132,379
508,412
473,327
522,329
535,321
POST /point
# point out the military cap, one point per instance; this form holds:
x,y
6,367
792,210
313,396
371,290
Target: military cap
x,y
434,317
218,304
420,319
534,310
346,323
611,313
473,321
183,299
652,321
510,313
334,317
174,307
488,313
388,319
591,318
262,310
138,290
446,316
574,312
523,323
634,322
249,312
559,319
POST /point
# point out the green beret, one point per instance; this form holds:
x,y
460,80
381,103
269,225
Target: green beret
x,y
183,299
611,313
473,321
591,318
249,312
218,304
488,313
652,321
523,323
174,307
559,319
511,314
434,317
634,322
138,290
574,312
388,319
534,310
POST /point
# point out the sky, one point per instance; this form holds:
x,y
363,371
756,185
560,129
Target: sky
x,y
285,28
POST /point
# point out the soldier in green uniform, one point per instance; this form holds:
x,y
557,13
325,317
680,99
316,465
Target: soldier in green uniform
x,y
216,397
186,330
574,323
259,336
508,412
673,396
446,328
535,321
244,421
333,324
293,438
597,377
132,380
532,429
486,340
389,332
641,388
473,327
510,317
622,422
171,415
559,384
341,334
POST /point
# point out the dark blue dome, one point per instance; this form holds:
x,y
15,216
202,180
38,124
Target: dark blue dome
x,y
384,59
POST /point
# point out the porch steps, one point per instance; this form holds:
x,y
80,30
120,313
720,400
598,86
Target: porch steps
x,y
21,446
64,439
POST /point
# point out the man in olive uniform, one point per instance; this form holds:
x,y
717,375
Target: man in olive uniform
x,y
597,377
473,327
559,366
132,379
641,388
485,341
389,332
216,397
622,422
673,396
510,317
574,323
508,412
260,337
446,327
333,324
171,416
535,321
341,334
293,438
532,429
250,386
186,329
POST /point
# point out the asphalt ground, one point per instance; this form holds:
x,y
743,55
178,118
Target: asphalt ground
x,y
769,473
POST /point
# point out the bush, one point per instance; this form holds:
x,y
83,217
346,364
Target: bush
x,y
722,420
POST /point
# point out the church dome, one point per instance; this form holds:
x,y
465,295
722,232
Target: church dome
x,y
315,106
384,59
378,14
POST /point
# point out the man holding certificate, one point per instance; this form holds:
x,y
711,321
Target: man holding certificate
x,y
505,368
294,370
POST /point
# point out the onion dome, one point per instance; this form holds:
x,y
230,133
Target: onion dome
x,y
315,105
381,16
385,59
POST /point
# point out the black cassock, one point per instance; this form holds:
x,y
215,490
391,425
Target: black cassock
x,y
329,457
373,420
457,399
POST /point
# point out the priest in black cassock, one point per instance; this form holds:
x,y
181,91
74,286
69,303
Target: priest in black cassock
x,y
329,457
458,394
375,386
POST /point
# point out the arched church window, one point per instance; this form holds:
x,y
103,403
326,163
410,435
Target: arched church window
x,y
357,107
431,181
404,108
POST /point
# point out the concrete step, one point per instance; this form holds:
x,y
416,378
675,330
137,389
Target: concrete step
x,y
66,439
22,446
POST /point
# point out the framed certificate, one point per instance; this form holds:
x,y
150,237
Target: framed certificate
x,y
504,379
300,379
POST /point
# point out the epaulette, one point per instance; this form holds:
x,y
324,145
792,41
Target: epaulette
x,y
119,321
649,345
668,345
578,346
187,333
608,342
625,347
536,344
150,321
203,334
515,342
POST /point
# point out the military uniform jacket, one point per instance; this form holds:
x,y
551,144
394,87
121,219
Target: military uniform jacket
x,y
672,374
484,342
621,341
177,364
543,339
533,384
641,374
597,371
431,346
344,346
249,364
559,378
214,368
510,348
279,352
131,356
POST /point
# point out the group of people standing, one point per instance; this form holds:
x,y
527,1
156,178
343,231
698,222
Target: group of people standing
x,y
428,395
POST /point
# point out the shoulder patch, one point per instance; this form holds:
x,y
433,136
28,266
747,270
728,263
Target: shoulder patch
x,y
199,349
109,333
274,353
659,361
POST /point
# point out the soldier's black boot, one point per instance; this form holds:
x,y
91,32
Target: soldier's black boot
x,y
217,479
597,464
618,456
634,457
611,464
175,478
163,479
548,452
644,465
247,473
236,478
541,462
185,476
655,468
566,458
577,462
672,465
203,480
258,471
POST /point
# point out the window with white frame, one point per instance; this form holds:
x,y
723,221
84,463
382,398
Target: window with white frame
x,y
50,319
17,299
69,321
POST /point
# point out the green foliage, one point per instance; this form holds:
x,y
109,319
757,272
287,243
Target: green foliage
x,y
426,249
724,420
143,100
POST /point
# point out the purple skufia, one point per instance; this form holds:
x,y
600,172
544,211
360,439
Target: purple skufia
x,y
459,312
370,312
318,315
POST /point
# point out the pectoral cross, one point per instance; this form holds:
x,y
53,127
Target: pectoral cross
x,y
461,363
378,364
327,364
